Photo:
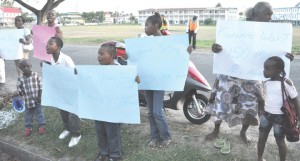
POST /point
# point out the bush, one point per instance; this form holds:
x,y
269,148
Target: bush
x,y
208,21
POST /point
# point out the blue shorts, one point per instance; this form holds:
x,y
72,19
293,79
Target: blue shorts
x,y
267,121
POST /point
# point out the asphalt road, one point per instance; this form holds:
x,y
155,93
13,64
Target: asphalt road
x,y
87,55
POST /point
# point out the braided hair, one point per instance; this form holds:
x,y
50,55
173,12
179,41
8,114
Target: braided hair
x,y
278,64
155,19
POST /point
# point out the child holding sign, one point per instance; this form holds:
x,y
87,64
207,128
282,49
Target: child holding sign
x,y
71,121
29,85
236,100
108,134
159,130
271,114
51,17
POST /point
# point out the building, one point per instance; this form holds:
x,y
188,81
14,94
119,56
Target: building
x,y
7,15
108,18
182,15
71,18
287,14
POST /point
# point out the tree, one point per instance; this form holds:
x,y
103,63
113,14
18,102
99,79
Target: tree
x,y
27,19
219,5
41,14
6,3
133,19
208,21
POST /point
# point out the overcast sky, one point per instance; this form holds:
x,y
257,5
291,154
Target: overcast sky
x,y
134,5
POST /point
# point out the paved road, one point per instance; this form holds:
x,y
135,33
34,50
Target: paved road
x,y
88,55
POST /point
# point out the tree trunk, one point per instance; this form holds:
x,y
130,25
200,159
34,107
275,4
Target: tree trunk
x,y
41,14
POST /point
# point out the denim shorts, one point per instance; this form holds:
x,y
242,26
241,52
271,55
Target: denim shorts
x,y
267,121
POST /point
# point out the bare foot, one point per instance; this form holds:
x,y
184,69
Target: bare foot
x,y
245,138
212,135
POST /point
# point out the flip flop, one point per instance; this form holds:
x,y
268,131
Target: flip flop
x,y
219,142
226,147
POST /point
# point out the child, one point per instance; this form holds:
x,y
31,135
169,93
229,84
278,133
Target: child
x,y
51,17
70,120
19,22
108,134
29,85
229,90
271,114
159,130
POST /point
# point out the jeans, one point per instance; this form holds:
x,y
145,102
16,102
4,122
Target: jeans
x,y
109,139
39,116
192,34
71,123
158,124
267,121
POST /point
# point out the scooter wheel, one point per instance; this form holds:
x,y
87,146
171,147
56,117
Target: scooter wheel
x,y
190,110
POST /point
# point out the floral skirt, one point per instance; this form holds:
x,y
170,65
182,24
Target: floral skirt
x,y
236,100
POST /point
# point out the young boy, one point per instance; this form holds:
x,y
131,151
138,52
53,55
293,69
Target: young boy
x,y
71,121
29,85
108,134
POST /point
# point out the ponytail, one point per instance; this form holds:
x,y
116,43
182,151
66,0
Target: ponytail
x,y
155,19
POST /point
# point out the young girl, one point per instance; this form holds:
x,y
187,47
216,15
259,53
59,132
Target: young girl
x,y
231,91
51,17
271,114
108,134
159,130
19,22
71,121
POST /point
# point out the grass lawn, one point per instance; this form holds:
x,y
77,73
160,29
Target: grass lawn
x,y
188,141
94,35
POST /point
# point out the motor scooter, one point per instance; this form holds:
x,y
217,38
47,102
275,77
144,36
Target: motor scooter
x,y
192,99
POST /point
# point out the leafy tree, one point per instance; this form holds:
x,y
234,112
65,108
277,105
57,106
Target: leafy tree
x,y
99,16
27,19
133,19
208,21
88,16
219,5
6,3
41,14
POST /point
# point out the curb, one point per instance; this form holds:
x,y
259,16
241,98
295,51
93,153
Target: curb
x,y
9,147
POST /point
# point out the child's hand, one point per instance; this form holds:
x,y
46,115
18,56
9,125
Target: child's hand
x,y
137,79
189,49
290,56
22,41
75,71
37,100
16,93
216,48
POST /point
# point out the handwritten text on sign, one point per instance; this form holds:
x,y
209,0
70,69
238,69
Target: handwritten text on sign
x,y
162,61
104,93
246,46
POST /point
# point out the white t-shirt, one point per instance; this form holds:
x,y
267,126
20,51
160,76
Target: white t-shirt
x,y
63,61
273,95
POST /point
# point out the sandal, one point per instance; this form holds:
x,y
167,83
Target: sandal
x,y
226,147
219,142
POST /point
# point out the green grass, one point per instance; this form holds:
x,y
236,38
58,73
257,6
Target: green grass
x,y
188,144
94,35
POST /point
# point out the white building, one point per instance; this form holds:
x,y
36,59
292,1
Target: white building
x,y
182,15
287,14
108,18
7,15
71,18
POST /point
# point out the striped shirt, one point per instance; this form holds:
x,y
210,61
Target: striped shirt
x,y
30,87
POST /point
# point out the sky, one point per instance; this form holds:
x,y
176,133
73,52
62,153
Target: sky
x,y
132,6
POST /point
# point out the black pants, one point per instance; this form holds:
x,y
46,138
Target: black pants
x,y
192,34
71,122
